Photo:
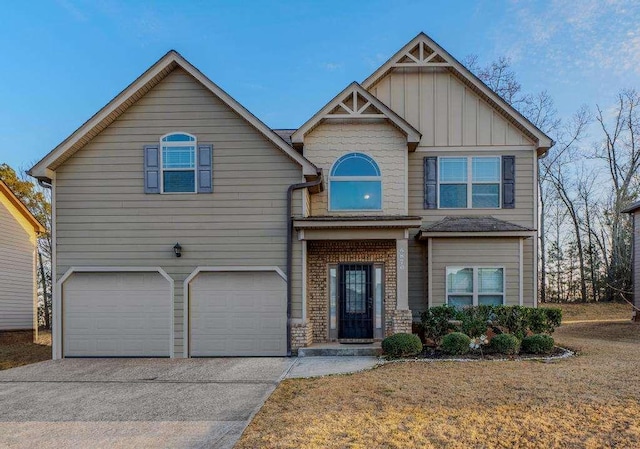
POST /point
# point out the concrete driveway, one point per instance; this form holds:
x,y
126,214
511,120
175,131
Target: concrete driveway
x,y
122,403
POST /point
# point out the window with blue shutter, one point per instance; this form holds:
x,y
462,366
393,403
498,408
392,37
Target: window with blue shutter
x,y
178,165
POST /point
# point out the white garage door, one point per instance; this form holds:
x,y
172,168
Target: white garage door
x,y
116,315
238,314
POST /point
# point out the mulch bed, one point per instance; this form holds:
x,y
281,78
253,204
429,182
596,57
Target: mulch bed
x,y
436,354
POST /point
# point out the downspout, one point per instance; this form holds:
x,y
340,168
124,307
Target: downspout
x,y
302,185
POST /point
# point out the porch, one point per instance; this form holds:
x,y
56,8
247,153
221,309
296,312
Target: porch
x,y
355,282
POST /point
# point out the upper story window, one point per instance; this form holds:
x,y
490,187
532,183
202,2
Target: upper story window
x,y
178,163
469,182
355,183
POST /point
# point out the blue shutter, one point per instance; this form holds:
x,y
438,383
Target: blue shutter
x,y
431,182
151,169
205,172
508,182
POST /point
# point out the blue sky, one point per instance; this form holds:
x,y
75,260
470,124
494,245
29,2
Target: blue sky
x,y
65,59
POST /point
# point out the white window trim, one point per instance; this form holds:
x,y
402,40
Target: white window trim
x,y
355,178
475,294
470,182
193,144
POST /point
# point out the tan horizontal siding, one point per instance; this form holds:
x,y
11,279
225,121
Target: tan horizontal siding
x,y
475,252
104,218
17,281
522,214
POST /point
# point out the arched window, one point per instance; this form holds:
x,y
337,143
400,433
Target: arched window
x,y
178,153
355,184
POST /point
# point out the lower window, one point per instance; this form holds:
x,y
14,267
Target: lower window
x,y
472,286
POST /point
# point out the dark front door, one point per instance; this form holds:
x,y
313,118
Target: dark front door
x,y
355,300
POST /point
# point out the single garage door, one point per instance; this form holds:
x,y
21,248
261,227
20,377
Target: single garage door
x,y
116,315
238,314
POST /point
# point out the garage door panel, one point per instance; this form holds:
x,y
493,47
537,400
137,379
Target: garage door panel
x,y
238,313
117,315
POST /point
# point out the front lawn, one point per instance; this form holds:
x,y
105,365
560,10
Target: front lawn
x,y
15,352
578,311
589,401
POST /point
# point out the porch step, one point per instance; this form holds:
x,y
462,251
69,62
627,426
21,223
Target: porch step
x,y
337,349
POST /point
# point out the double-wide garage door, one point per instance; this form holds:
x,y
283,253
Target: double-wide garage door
x,y
130,314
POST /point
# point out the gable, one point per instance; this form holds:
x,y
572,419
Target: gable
x,y
423,58
356,104
178,103
444,110
17,212
115,108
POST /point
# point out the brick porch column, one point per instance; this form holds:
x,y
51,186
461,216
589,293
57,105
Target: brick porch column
x,y
402,316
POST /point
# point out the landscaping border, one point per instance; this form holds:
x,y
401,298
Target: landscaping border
x,y
565,355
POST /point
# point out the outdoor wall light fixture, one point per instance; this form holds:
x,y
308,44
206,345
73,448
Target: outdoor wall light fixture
x,y
177,249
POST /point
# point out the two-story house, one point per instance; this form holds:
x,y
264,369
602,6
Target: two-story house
x,y
184,226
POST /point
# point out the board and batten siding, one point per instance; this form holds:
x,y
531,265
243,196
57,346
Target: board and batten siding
x,y
444,110
488,252
379,140
104,218
17,272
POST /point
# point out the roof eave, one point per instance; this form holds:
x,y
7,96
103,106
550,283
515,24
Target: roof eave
x,y
424,235
42,169
20,206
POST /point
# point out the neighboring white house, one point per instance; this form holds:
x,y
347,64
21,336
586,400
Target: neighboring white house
x,y
18,239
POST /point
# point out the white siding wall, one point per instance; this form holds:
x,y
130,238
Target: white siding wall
x,y
104,218
380,140
17,275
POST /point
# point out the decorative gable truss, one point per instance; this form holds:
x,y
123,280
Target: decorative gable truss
x,y
355,103
421,55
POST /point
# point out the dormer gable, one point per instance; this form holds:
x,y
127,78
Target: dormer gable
x,y
355,103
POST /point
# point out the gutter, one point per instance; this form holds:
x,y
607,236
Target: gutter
x,y
302,185
44,184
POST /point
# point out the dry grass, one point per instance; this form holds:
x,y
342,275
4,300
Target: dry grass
x,y
589,401
16,352
593,311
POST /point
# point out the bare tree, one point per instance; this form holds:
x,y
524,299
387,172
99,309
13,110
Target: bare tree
x,y
621,153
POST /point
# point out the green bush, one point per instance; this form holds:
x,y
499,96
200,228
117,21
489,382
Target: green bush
x,y
505,344
401,345
475,319
435,322
544,320
456,343
554,319
538,344
513,319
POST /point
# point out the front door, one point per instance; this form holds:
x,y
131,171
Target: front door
x,y
355,300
